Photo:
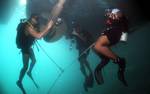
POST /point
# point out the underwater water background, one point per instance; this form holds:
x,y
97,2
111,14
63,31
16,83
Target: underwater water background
x,y
137,53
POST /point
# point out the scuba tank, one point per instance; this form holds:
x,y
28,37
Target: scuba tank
x,y
124,37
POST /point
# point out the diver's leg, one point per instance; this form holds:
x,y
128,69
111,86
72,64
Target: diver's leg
x,y
121,71
23,71
90,78
102,46
88,66
25,66
32,64
82,67
98,70
83,70
87,63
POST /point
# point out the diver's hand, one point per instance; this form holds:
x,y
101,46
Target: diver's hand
x,y
75,33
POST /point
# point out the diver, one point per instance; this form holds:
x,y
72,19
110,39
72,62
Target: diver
x,y
26,36
116,27
83,41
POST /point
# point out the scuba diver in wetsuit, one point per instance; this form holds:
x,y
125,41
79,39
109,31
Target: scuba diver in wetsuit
x,y
27,34
116,25
25,39
83,41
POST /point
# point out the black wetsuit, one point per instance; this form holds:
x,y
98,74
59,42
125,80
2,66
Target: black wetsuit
x,y
82,45
114,29
27,41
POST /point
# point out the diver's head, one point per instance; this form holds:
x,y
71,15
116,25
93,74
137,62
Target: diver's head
x,y
113,13
117,13
34,19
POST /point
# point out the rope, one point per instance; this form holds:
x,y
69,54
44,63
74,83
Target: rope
x,y
80,55
54,83
58,77
50,58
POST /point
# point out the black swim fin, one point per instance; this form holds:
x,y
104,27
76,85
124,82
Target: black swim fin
x,y
121,71
90,81
98,76
121,77
30,76
19,84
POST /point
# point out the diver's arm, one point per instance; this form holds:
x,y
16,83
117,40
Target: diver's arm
x,y
57,8
55,13
37,34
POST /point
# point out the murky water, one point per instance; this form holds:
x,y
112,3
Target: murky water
x,y
45,73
